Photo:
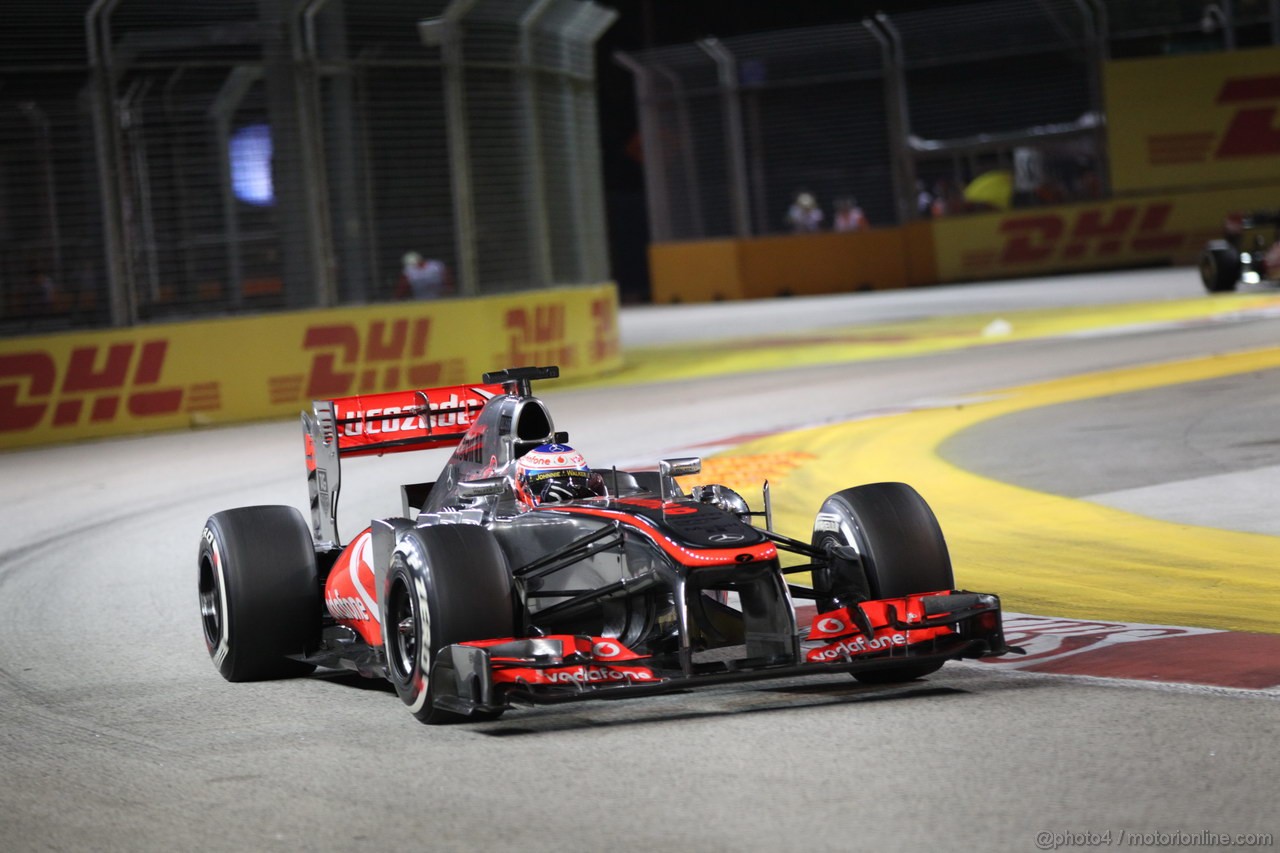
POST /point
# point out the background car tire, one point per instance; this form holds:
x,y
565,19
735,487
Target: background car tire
x,y
901,547
1220,267
446,584
259,592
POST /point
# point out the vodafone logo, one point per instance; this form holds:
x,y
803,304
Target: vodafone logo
x,y
857,647
605,650
583,676
831,625
350,609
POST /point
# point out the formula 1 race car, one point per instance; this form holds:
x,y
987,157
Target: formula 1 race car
x,y
523,576
1249,252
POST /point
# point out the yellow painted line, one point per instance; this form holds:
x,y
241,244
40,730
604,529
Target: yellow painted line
x,y
1042,553
845,344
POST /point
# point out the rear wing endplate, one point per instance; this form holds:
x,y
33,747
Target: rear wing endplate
x,y
374,424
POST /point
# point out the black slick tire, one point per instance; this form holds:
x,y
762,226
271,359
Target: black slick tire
x,y
1219,267
259,592
900,546
446,584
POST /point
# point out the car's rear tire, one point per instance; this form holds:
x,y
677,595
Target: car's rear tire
x,y
1219,267
259,592
446,584
900,545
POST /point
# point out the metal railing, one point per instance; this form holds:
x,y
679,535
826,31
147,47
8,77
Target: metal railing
x,y
902,112
184,159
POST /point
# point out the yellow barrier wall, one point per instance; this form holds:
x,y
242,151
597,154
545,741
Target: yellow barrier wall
x,y
1193,121
919,253
1169,228
792,264
695,271
1191,138
801,264
92,384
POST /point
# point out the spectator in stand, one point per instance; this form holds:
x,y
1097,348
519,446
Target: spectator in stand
x,y
804,216
423,278
849,216
948,199
924,200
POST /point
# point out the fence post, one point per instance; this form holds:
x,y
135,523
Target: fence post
x,y
895,96
106,139
1094,14
585,28
688,160
445,32
335,155
539,232
655,163
735,153
222,111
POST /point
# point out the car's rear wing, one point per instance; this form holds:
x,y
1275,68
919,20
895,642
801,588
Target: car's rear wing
x,y
374,424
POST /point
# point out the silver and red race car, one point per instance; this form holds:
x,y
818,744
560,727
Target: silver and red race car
x,y
521,576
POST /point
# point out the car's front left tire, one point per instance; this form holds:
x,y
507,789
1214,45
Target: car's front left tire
x,y
901,551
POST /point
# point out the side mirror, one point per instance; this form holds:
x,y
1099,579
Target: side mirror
x,y
681,466
483,487
669,469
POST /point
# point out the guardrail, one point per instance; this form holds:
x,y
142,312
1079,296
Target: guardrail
x,y
167,376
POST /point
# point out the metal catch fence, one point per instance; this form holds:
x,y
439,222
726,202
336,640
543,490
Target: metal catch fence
x,y
901,114
176,159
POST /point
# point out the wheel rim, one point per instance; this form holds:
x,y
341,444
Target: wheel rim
x,y
210,604
405,639
1208,271
826,577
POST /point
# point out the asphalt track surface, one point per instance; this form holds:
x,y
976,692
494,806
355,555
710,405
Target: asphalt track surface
x,y
119,735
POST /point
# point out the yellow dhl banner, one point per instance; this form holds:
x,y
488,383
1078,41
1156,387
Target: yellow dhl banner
x,y
109,382
1193,121
1165,228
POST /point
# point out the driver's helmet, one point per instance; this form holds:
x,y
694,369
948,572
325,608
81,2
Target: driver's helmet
x,y
551,473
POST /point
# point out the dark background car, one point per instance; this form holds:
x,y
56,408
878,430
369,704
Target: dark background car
x,y
1248,253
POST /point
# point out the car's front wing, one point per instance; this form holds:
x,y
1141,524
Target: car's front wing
x,y
914,630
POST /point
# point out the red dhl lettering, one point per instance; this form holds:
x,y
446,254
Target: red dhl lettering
x,y
100,375
537,336
1252,130
1093,232
384,355
604,342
